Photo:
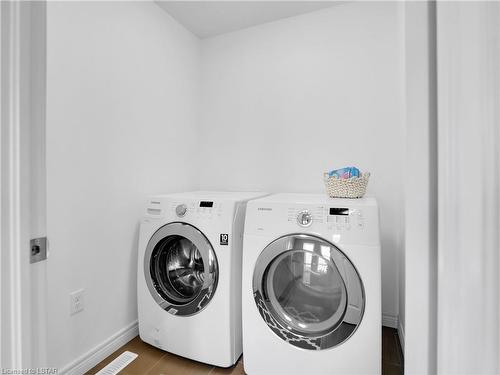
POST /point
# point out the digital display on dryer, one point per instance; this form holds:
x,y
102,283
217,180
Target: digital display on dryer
x,y
206,204
339,211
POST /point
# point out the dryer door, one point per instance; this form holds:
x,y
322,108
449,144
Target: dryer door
x,y
181,269
308,292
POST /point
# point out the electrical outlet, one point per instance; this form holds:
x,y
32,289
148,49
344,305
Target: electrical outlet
x,y
76,301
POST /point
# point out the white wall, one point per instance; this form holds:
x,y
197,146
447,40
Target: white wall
x,y
38,193
468,242
285,101
420,306
122,89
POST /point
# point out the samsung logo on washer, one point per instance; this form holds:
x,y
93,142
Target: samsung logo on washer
x,y
264,209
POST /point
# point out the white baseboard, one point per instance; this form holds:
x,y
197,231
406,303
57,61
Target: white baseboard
x,y
401,334
390,321
101,351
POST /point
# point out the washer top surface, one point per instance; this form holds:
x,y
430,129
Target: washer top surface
x,y
235,196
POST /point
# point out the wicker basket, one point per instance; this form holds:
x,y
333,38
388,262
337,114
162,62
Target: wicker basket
x,y
354,187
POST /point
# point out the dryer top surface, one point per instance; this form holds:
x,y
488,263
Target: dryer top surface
x,y
301,198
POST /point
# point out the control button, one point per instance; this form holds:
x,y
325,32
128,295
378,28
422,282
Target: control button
x,y
181,210
304,219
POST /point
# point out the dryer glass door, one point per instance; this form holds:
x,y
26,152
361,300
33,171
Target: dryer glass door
x,y
181,269
308,292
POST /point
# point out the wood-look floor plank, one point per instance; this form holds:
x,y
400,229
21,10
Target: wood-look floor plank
x,y
136,345
235,370
171,364
390,353
390,369
153,361
146,360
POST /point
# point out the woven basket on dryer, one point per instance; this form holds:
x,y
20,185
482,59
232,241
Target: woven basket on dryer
x,y
354,187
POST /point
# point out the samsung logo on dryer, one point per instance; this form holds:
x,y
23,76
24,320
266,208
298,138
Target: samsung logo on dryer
x,y
264,209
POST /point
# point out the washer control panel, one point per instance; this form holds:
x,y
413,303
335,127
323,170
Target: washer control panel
x,y
199,209
181,210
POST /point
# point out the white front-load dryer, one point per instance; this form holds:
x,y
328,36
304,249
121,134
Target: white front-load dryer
x,y
311,290
189,274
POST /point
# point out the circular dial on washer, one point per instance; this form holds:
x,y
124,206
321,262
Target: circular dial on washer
x,y
181,210
304,218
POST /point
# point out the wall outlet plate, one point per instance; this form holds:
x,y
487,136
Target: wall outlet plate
x,y
76,301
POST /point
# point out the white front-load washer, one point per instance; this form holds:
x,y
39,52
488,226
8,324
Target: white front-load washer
x,y
311,291
189,274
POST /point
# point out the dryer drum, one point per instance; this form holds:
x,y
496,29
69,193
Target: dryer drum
x,y
181,269
308,292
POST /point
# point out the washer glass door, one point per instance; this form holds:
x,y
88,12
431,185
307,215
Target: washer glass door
x,y
181,269
308,292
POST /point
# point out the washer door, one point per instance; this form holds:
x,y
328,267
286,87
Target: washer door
x,y
308,292
181,269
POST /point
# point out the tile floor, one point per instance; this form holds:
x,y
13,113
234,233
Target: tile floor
x,y
152,361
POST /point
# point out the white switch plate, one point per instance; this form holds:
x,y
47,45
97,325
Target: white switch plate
x,y
76,301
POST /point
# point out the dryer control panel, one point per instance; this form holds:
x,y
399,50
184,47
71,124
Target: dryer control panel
x,y
342,218
339,218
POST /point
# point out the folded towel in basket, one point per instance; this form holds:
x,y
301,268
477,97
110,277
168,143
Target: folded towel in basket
x,y
346,172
